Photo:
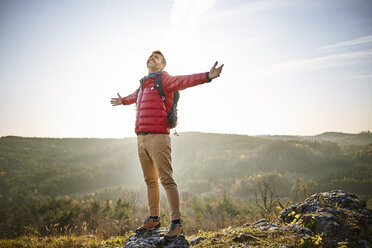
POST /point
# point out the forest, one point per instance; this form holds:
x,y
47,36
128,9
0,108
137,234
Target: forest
x,y
84,185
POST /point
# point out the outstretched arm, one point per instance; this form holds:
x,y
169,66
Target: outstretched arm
x,y
124,100
176,83
215,71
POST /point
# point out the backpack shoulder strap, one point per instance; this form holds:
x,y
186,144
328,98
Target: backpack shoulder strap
x,y
159,87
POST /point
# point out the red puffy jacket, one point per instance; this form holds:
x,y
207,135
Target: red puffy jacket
x,y
151,113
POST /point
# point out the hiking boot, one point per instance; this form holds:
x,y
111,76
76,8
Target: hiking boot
x,y
149,224
174,231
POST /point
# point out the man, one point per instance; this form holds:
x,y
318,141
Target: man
x,y
153,141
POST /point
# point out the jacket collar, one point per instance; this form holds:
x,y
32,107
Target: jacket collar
x,y
154,74
151,75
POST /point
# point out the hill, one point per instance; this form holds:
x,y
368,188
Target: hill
x,y
32,168
342,139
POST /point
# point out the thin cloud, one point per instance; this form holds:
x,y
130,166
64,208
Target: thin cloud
x,y
188,12
349,43
334,60
368,76
251,8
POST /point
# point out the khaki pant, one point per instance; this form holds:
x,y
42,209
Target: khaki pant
x,y
154,152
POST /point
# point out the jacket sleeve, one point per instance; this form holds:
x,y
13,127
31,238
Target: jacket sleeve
x,y
129,99
177,83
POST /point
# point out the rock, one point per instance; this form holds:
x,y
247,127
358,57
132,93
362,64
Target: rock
x,y
265,225
339,216
299,229
244,238
214,240
196,240
260,222
154,239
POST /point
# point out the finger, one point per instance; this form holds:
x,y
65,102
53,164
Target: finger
x,y
215,64
119,95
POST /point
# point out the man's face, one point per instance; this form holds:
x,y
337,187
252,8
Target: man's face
x,y
155,62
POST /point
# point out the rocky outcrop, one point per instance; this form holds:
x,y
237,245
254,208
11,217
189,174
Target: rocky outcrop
x,y
337,216
329,220
153,239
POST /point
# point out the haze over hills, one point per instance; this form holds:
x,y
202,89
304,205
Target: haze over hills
x,y
69,182
203,162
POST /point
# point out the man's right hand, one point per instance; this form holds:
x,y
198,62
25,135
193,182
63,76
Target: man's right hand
x,y
117,101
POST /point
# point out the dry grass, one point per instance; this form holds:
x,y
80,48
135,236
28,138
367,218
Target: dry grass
x,y
248,236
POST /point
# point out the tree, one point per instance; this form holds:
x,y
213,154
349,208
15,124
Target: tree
x,y
265,190
302,187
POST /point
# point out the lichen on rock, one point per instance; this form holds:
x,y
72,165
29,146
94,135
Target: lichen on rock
x,y
337,215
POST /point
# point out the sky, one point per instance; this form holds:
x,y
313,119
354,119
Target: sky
x,y
291,67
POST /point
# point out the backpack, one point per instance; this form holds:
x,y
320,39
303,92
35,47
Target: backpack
x,y
172,115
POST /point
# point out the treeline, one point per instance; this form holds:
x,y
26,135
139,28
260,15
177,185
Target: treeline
x,y
36,169
342,139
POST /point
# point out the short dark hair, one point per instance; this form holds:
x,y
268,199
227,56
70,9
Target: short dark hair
x,y
163,60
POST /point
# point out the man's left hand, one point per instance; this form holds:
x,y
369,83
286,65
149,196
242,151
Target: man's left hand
x,y
215,71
